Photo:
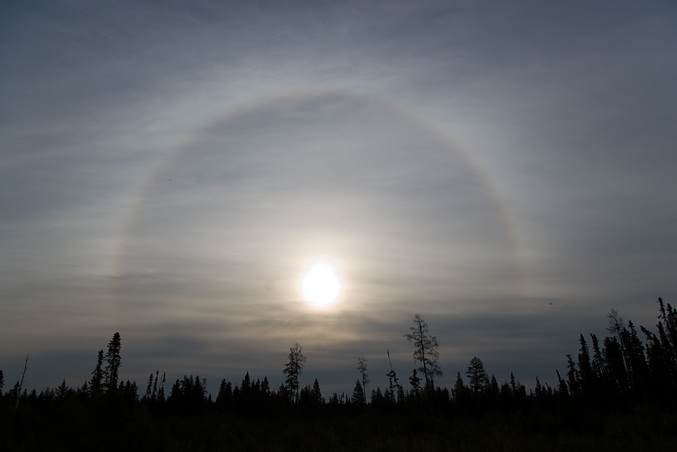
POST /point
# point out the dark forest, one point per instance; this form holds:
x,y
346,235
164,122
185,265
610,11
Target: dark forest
x,y
616,393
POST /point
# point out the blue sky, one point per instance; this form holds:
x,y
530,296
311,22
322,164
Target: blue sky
x,y
169,169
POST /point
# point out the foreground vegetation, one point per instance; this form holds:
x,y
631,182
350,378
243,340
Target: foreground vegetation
x,y
620,396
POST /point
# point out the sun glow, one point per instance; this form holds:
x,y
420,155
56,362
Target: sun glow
x,y
320,285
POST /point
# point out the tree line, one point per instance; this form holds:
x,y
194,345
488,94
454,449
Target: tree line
x,y
615,374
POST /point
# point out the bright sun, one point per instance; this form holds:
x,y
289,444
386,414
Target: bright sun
x,y
320,285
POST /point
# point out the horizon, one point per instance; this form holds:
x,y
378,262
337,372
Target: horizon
x,y
171,171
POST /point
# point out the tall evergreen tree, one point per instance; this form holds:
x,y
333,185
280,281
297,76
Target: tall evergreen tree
x,y
113,362
161,390
415,383
149,387
573,377
668,317
293,369
96,383
598,363
224,398
155,384
635,360
459,386
587,377
477,376
358,398
616,376
317,393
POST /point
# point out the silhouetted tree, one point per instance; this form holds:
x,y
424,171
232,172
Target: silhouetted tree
x,y
316,393
161,388
246,386
62,391
378,400
2,382
573,377
668,328
493,389
155,384
459,386
598,363
362,368
358,398
224,398
149,387
477,376
293,369
20,385
415,383
96,383
635,361
588,383
425,350
616,377
394,384
113,362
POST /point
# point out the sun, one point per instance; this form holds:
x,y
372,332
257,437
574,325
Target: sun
x,y
320,285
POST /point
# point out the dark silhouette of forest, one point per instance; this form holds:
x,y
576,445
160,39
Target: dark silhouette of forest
x,y
618,393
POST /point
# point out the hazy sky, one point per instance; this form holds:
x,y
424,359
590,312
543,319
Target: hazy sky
x,y
169,169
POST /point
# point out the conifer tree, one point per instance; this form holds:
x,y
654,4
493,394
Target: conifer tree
x,y
573,377
316,393
224,398
155,384
293,369
62,391
161,390
459,386
477,376
246,386
415,383
96,383
113,361
149,387
587,377
598,364
493,387
358,398
616,377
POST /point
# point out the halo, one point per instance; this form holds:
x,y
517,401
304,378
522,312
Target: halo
x,y
240,116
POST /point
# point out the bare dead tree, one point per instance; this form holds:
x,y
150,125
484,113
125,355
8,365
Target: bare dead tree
x,y
426,350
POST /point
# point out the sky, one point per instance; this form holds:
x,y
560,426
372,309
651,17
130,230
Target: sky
x,y
169,170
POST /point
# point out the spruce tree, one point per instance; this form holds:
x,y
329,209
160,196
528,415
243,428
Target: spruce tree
x,y
293,369
415,383
459,387
477,376
316,393
149,387
358,398
96,383
113,361
587,376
